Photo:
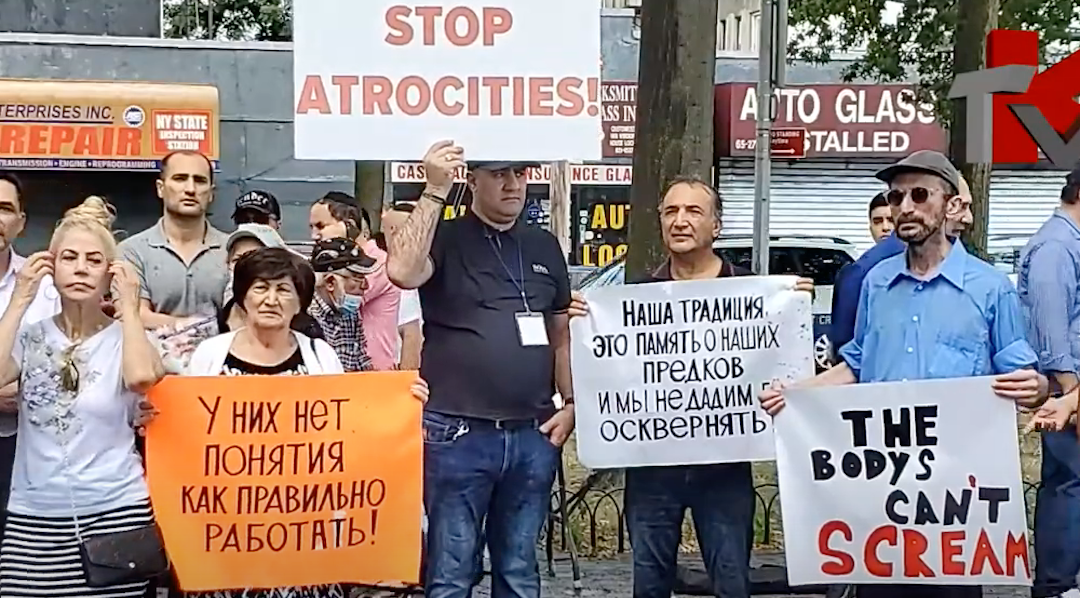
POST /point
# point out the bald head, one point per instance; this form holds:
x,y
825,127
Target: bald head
x,y
960,221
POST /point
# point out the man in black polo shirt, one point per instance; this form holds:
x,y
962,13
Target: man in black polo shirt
x,y
720,496
494,294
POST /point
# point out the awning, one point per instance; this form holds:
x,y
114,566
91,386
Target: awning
x,y
102,125
580,174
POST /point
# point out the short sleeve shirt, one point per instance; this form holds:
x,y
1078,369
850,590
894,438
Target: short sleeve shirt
x,y
173,287
473,357
76,445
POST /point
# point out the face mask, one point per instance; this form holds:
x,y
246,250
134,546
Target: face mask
x,y
350,304
228,292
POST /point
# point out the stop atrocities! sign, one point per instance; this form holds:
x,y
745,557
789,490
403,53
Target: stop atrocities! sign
x,y
512,79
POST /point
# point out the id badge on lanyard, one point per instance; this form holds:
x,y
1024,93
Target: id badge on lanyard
x,y
531,327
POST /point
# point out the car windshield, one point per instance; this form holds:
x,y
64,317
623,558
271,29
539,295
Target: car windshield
x,y
591,278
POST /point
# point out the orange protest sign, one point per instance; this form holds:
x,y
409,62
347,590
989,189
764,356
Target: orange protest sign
x,y
283,481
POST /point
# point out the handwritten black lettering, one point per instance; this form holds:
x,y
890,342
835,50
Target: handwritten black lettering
x,y
723,309
302,536
312,415
211,411
267,459
255,417
647,313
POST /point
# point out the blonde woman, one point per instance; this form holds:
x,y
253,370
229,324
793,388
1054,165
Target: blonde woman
x,y
79,501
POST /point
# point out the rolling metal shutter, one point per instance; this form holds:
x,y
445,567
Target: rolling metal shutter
x,y
830,198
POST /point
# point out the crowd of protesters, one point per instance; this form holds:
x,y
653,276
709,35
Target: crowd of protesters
x,y
481,306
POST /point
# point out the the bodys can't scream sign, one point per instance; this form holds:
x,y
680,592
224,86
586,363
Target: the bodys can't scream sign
x,y
287,480
668,373
909,482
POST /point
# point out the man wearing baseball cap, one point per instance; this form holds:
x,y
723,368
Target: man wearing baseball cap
x,y
933,311
342,269
257,207
1048,284
339,214
494,294
850,278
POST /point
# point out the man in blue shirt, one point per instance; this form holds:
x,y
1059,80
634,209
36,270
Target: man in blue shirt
x,y
1049,287
850,278
933,311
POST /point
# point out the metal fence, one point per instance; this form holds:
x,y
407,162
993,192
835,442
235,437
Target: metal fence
x,y
596,520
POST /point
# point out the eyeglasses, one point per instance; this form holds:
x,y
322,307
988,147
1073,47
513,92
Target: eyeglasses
x,y
896,197
69,373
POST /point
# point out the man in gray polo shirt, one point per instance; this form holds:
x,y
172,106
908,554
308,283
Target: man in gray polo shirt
x,y
181,259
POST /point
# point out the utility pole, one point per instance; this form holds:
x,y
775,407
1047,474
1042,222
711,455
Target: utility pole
x,y
674,130
772,54
969,54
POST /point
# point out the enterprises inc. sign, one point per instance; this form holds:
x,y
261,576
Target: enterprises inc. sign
x,y
1013,110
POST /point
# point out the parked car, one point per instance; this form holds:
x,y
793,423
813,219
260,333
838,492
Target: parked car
x,y
1005,251
819,258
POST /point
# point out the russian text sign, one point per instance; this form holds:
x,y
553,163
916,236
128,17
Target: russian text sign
x,y
506,80
668,373
281,481
912,483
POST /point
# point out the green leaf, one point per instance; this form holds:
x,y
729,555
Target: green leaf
x,y
253,20
919,46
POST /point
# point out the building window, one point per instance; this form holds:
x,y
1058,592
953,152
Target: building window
x,y
755,30
721,35
738,33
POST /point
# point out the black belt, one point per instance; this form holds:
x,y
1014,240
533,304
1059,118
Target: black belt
x,y
502,424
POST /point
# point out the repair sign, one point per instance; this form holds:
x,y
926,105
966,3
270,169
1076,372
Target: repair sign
x,y
100,125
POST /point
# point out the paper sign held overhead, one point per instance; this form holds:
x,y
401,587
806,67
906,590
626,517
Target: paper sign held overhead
x,y
382,80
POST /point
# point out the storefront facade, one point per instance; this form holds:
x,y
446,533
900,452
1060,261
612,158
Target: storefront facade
x,y
848,132
599,199
70,139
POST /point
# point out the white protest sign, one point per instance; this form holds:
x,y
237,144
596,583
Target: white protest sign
x,y
505,79
909,482
668,373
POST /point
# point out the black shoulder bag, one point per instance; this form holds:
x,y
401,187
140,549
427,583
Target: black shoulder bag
x,y
118,558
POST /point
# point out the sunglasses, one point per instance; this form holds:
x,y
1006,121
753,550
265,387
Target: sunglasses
x,y
896,197
69,373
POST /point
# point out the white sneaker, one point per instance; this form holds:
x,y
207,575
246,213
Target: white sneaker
x,y
1073,593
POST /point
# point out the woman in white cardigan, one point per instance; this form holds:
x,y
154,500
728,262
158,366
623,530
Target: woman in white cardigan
x,y
265,284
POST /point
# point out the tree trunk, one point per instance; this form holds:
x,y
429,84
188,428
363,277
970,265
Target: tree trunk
x,y
674,130
368,185
977,18
559,200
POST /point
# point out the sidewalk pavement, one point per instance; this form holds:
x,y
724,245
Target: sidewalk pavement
x,y
613,578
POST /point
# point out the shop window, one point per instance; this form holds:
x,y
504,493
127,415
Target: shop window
x,y
599,233
755,30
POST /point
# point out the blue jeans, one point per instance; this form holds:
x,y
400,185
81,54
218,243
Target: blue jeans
x,y
721,502
478,478
1057,515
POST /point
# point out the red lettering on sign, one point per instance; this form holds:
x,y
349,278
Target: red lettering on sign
x,y
461,26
